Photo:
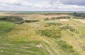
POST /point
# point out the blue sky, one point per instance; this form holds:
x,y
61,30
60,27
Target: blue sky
x,y
42,5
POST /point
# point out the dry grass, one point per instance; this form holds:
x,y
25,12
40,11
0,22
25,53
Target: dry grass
x,y
34,16
65,20
28,32
80,20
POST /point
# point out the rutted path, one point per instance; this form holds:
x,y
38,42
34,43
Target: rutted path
x,y
51,46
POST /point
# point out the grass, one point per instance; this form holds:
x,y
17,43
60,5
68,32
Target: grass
x,y
54,33
22,48
38,39
6,26
67,48
15,47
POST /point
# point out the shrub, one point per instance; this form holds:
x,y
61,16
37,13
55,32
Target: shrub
x,y
28,21
70,28
54,33
15,19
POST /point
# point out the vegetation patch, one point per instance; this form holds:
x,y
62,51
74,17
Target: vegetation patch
x,y
67,48
6,26
67,27
55,18
54,33
22,48
54,24
15,19
63,17
30,21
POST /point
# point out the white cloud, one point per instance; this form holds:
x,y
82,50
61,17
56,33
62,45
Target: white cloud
x,y
44,5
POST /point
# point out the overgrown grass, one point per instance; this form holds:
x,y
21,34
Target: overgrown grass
x,y
67,27
67,48
24,39
52,32
21,47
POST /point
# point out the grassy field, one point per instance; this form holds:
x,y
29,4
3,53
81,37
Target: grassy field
x,y
45,37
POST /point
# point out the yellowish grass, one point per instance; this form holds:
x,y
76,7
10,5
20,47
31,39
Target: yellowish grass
x,y
64,20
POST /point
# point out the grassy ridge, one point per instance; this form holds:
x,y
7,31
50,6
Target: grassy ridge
x,y
42,38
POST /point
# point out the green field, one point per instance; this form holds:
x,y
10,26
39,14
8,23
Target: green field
x,y
45,37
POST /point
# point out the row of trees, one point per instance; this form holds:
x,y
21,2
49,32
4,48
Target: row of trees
x,y
79,14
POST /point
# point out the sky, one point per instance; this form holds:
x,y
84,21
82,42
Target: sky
x,y
42,5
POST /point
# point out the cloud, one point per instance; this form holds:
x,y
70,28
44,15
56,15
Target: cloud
x,y
40,5
73,2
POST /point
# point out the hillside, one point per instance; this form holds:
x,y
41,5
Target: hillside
x,y
53,34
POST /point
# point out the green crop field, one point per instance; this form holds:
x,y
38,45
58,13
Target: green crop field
x,y
44,37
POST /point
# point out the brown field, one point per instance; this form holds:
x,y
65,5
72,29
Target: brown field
x,y
35,16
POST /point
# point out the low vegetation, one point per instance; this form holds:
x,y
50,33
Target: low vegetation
x,y
48,36
55,18
15,19
67,27
6,27
54,24
30,21
67,48
54,33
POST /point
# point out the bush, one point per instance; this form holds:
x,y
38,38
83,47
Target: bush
x,y
15,19
54,33
70,28
28,21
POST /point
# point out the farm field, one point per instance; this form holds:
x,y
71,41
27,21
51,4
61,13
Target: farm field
x,y
42,34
